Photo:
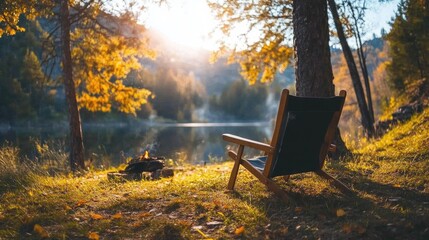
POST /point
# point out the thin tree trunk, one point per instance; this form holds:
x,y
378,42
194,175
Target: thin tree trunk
x,y
357,85
76,139
362,62
313,67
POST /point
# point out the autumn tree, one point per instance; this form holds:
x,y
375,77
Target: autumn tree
x,y
264,42
263,30
98,51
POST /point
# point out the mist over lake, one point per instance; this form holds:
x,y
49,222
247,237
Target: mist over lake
x,y
110,144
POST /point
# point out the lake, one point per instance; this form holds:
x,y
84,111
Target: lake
x,y
193,143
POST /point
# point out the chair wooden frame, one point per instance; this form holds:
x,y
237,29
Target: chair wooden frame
x,y
270,149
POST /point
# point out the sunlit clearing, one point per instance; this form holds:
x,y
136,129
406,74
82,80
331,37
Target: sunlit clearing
x,y
184,22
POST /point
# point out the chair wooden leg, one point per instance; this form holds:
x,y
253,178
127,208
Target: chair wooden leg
x,y
271,185
335,182
234,171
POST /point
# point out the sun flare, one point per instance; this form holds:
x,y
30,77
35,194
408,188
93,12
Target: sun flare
x,y
185,22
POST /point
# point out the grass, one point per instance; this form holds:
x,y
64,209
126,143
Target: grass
x,y
388,175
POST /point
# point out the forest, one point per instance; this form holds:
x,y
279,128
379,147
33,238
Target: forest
x,y
88,91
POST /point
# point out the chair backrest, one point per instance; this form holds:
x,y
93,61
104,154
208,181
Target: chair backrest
x,y
305,130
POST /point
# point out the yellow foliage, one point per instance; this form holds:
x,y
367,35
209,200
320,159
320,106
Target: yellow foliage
x,y
9,18
107,61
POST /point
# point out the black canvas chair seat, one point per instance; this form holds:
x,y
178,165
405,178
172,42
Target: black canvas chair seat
x,y
302,137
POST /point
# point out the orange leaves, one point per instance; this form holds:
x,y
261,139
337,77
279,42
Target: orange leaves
x,y
93,236
80,203
117,215
340,212
67,208
239,231
40,231
348,228
95,216
144,214
298,210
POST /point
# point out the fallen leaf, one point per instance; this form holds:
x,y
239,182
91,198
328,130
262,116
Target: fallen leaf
x,y
239,231
30,193
214,223
347,228
93,236
284,230
341,212
298,209
144,214
360,229
117,215
67,208
96,216
80,203
201,232
40,231
222,215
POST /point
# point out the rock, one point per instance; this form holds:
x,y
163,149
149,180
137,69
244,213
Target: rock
x,y
404,113
124,176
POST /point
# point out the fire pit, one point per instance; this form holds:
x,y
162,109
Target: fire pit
x,y
136,168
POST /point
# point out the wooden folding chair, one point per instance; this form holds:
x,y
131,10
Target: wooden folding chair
x,y
304,130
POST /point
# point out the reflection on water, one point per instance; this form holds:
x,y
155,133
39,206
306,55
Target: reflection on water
x,y
194,143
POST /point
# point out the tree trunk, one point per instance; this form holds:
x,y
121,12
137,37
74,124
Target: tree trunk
x,y
313,67
76,139
362,62
357,85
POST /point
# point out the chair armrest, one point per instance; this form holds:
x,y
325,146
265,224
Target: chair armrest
x,y
247,142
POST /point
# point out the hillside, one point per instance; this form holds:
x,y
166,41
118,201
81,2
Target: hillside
x,y
388,177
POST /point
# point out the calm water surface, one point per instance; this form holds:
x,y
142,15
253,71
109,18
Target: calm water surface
x,y
193,143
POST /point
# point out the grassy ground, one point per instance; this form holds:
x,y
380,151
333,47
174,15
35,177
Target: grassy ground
x,y
388,176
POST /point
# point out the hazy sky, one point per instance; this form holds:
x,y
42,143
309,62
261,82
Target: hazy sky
x,y
188,22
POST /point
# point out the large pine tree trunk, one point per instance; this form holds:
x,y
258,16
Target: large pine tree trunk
x,y
76,139
313,67
357,85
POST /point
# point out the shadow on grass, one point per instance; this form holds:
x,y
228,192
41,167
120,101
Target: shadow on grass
x,y
375,211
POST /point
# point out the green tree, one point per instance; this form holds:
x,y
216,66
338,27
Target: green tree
x,y
239,97
176,94
409,47
22,80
